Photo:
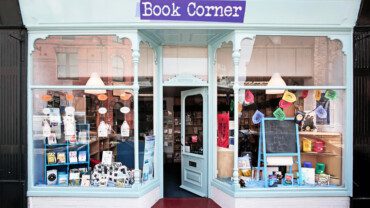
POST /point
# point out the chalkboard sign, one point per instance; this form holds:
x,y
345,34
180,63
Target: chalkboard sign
x,y
280,136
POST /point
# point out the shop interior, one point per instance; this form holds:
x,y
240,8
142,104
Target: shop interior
x,y
318,113
172,137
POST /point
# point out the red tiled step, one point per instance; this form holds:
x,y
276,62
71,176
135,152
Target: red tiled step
x,y
186,203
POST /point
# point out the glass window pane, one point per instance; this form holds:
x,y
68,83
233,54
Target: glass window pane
x,y
185,61
86,54
299,60
321,131
194,124
79,136
225,66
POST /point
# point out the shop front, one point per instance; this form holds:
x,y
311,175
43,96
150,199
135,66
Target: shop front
x,y
246,103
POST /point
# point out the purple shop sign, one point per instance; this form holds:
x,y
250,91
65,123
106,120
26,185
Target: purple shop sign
x,y
193,10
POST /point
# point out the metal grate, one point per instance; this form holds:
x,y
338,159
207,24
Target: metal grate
x,y
361,137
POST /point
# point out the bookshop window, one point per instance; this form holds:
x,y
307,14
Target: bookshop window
x,y
282,124
73,61
80,139
85,137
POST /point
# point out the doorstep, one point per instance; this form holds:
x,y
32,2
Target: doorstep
x,y
186,203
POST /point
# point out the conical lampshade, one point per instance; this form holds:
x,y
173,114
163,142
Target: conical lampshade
x,y
276,81
95,81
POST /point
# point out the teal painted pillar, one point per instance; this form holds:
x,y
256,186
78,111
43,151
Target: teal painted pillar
x,y
135,59
236,60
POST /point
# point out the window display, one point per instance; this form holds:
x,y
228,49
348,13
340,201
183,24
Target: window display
x,y
291,131
85,136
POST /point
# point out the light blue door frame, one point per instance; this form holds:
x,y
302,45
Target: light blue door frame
x,y
194,167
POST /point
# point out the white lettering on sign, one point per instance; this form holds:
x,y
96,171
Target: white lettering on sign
x,y
158,10
215,11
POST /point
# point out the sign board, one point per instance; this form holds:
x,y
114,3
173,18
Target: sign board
x,y
280,136
193,10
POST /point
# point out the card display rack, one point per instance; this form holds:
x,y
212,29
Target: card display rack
x,y
331,156
66,148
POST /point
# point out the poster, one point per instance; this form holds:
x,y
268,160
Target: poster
x,y
148,164
223,130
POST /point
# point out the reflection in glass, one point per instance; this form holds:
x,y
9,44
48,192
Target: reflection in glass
x,y
71,61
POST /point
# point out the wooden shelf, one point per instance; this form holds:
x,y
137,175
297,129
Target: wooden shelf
x,y
320,154
309,133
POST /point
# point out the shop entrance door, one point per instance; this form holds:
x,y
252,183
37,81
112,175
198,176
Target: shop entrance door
x,y
194,141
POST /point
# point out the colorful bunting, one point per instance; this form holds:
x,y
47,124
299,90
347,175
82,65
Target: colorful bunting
x,y
257,117
289,97
284,104
330,94
249,97
317,95
321,112
279,114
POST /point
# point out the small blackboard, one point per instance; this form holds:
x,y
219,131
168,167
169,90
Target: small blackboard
x,y
280,136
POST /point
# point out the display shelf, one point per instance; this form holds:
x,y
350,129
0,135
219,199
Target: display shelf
x,y
57,164
319,153
76,146
56,145
332,155
310,133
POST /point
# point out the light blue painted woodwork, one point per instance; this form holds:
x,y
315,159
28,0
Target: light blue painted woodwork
x,y
344,36
194,178
334,19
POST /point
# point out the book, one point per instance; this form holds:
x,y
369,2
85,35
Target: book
x,y
51,157
74,177
82,137
52,139
85,180
107,157
288,180
52,177
63,178
73,157
82,156
61,157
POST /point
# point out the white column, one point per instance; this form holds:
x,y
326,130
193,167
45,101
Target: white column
x,y
236,59
135,60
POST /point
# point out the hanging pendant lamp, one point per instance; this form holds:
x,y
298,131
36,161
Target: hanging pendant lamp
x,y
95,81
276,81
